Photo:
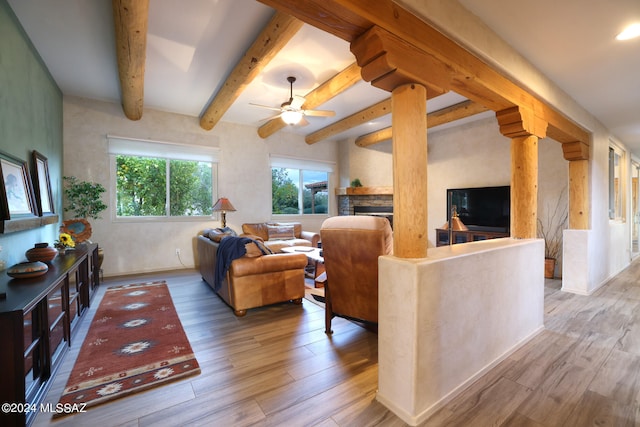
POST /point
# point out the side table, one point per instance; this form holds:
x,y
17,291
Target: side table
x,y
314,257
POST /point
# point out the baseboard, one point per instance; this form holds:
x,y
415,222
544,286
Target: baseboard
x,y
142,273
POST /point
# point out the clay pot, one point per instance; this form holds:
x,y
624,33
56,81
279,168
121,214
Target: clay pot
x,y
41,252
549,268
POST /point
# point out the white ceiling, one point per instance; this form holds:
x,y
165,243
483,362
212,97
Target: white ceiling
x,y
192,46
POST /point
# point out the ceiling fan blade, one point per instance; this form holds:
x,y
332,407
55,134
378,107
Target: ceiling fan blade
x,y
271,117
303,122
296,102
319,113
266,106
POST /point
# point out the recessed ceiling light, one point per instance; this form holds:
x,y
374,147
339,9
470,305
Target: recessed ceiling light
x,y
631,32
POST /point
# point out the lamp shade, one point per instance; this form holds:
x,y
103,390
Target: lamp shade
x,y
456,222
223,204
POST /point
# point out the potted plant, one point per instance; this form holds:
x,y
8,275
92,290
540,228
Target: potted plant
x,y
356,183
551,231
84,198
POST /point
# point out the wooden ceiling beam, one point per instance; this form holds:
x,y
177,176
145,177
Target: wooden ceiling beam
x,y
409,43
380,109
445,115
323,93
275,35
130,19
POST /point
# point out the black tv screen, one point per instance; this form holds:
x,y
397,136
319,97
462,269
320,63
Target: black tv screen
x,y
484,208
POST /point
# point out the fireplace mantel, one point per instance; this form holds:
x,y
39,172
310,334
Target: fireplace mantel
x,y
364,191
350,197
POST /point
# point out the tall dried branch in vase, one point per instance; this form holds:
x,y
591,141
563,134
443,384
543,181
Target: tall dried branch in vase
x,y
550,229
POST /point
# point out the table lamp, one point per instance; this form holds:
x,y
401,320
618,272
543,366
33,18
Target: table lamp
x,y
223,205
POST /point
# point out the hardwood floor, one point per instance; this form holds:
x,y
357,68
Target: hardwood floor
x,y
276,367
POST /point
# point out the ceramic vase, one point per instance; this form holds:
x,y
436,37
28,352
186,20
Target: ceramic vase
x,y
41,252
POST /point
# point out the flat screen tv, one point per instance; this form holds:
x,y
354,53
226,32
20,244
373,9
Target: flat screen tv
x,y
484,208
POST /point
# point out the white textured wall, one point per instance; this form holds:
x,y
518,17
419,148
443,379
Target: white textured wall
x,y
372,165
244,176
446,319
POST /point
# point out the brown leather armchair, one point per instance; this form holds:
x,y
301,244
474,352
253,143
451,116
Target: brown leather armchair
x,y
351,246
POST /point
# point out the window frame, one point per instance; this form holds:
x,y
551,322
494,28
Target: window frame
x,y
303,165
163,150
617,206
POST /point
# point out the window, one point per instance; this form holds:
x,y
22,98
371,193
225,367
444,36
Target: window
x,y
616,192
299,187
155,179
635,208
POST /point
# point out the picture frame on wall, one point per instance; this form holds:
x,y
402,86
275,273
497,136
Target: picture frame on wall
x,y
42,184
16,192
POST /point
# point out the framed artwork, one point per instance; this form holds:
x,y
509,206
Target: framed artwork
x,y
42,184
16,193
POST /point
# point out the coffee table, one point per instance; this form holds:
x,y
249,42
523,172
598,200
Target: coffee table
x,y
314,257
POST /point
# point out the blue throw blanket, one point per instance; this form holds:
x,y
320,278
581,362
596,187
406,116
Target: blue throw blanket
x,y
230,248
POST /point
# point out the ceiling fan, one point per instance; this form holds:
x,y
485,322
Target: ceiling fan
x,y
291,111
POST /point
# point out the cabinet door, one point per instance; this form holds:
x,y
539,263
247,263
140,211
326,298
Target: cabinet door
x,y
34,359
57,303
459,237
75,305
442,237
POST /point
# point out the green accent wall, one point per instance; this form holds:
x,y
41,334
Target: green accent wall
x,y
30,119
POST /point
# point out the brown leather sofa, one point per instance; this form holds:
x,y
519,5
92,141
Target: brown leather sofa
x,y
277,235
254,280
351,246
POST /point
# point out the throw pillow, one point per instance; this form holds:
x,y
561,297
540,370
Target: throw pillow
x,y
280,232
257,248
252,250
218,234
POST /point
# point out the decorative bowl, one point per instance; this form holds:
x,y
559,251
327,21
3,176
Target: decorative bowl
x,y
41,252
25,270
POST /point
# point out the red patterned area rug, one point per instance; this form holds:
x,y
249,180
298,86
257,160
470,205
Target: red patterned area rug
x,y
135,342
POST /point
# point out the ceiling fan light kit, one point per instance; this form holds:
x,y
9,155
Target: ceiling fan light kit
x,y
291,111
291,117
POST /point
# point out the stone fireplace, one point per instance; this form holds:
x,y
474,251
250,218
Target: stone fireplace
x,y
366,201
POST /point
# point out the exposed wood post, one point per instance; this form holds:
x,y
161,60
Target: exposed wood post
x,y
577,153
409,122
579,194
524,128
524,187
130,18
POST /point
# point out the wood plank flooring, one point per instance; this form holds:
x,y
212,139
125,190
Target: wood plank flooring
x,y
276,367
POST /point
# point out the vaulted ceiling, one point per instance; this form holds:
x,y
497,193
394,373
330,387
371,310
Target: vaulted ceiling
x,y
194,46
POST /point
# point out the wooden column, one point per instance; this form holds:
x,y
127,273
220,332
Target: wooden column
x,y
577,153
409,122
579,194
524,128
524,187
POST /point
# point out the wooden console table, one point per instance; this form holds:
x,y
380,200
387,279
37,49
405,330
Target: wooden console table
x,y
442,236
38,319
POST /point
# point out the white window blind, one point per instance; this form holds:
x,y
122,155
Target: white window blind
x,y
303,164
161,149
